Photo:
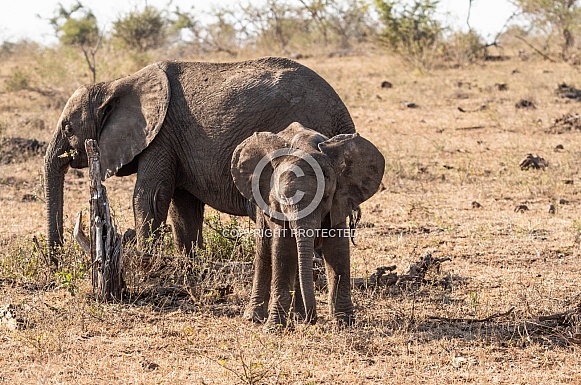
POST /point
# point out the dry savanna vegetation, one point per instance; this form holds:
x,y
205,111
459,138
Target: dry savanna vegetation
x,y
498,304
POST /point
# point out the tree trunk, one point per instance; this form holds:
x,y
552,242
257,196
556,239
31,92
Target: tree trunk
x,y
106,243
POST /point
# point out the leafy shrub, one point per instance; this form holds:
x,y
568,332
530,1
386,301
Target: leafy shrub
x,y
410,31
227,241
464,47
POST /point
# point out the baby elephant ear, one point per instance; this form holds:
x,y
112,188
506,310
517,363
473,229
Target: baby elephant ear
x,y
252,166
359,166
131,116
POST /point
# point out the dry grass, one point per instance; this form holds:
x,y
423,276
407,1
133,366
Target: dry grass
x,y
439,160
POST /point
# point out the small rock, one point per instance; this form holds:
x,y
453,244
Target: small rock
x,y
552,209
476,205
569,181
410,105
521,209
558,147
563,201
386,84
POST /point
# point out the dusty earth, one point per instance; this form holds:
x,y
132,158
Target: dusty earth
x,y
502,308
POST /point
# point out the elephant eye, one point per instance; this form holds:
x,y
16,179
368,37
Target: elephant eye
x,y
68,131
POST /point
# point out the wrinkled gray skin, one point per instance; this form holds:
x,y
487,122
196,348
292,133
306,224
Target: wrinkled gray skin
x,y
176,125
352,168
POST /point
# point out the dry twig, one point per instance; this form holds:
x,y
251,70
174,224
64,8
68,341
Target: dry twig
x,y
472,320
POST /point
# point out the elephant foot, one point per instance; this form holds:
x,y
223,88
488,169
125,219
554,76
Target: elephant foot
x,y
299,313
298,310
255,314
129,237
277,325
345,319
303,318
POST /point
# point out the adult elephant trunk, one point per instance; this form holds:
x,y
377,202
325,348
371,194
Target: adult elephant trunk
x,y
305,248
55,168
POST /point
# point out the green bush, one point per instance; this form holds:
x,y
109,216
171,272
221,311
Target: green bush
x,y
410,31
227,241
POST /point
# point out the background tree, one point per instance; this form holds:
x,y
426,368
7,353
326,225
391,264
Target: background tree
x,y
274,23
77,27
221,33
142,30
554,17
344,20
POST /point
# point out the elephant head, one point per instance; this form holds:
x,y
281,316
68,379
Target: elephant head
x,y
123,116
302,180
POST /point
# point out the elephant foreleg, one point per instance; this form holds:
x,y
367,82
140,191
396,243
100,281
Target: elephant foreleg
x,y
187,215
284,270
258,306
151,200
337,264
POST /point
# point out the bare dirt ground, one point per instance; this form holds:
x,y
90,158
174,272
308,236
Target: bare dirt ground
x,y
453,140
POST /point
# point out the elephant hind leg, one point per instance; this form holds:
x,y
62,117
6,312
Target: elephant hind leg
x,y
187,215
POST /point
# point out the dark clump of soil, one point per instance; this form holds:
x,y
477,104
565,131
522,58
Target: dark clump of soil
x,y
17,150
567,91
567,122
525,104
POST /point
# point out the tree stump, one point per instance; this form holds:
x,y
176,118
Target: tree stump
x,y
106,245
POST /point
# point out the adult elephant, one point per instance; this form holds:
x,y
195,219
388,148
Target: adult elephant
x,y
176,125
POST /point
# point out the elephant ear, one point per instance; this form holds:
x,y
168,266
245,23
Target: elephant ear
x,y
131,116
252,166
359,166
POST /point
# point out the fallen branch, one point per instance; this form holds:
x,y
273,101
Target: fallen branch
x,y
385,276
472,320
80,236
562,318
470,128
536,49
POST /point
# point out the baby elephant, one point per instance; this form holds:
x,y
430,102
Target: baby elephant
x,y
304,185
